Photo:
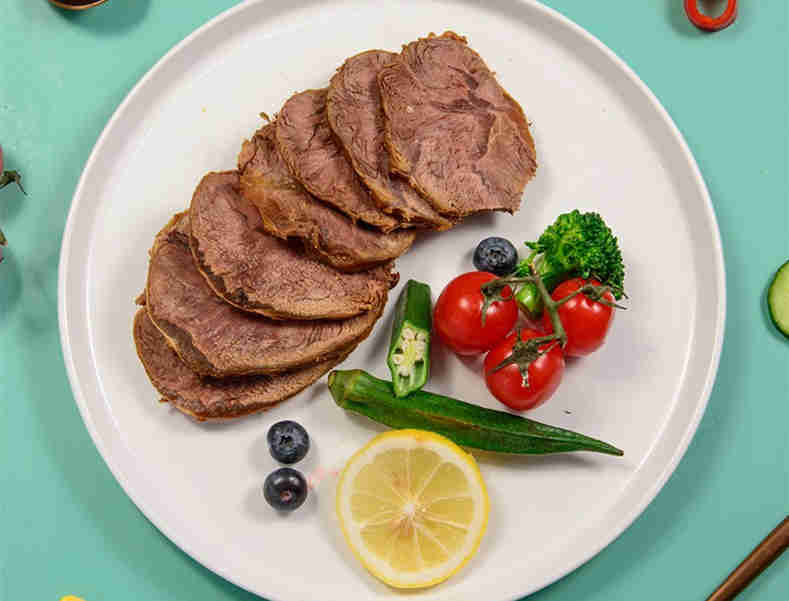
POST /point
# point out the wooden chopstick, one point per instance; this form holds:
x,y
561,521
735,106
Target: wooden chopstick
x,y
762,556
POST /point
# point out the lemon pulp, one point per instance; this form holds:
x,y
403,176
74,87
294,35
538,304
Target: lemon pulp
x,y
413,507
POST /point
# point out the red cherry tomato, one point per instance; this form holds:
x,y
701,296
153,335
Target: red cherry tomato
x,y
506,384
585,321
457,318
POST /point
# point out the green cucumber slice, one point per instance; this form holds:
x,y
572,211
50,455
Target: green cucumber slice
x,y
778,299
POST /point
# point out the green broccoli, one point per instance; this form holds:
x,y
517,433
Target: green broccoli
x,y
576,245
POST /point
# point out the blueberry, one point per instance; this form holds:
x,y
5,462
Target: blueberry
x,y
496,255
285,489
288,441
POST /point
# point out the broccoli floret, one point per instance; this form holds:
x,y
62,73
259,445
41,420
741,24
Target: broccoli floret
x,y
575,245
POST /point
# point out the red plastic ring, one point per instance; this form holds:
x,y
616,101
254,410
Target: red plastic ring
x,y
708,23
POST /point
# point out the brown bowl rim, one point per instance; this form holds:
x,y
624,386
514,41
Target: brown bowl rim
x,y
65,6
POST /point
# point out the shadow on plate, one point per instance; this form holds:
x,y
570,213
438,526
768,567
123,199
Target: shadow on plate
x,y
536,463
667,517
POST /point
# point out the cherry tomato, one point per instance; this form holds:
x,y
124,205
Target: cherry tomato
x,y
457,317
585,321
506,384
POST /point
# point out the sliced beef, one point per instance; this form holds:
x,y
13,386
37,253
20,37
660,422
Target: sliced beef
x,y
357,119
289,211
214,398
214,338
461,140
317,160
257,272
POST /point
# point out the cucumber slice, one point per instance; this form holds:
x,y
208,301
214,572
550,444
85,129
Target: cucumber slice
x,y
778,299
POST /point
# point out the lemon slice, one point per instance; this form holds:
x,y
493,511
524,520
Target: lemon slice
x,y
413,507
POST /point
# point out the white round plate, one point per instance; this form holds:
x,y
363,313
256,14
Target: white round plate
x,y
604,143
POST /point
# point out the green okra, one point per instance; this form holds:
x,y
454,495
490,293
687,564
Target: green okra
x,y
409,349
466,424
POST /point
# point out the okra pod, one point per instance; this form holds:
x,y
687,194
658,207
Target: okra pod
x,y
466,424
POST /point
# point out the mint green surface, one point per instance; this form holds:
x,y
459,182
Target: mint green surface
x,y
66,527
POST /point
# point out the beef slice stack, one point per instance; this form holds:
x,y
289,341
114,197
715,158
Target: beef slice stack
x,y
281,267
234,320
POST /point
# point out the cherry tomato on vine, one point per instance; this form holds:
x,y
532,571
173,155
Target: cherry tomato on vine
x,y
506,384
457,318
585,321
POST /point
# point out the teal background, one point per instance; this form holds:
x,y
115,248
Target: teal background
x,y
66,525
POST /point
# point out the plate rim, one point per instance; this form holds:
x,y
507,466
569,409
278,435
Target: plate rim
x,y
645,498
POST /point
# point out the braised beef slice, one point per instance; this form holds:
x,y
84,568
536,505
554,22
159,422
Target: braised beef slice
x,y
357,119
314,156
214,398
453,131
214,338
258,272
289,211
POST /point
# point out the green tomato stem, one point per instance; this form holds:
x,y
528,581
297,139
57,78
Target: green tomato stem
x,y
524,353
552,307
